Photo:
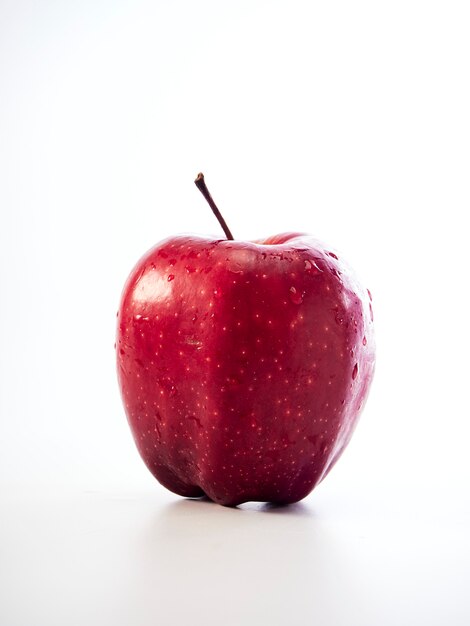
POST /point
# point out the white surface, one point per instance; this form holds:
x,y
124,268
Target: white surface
x,y
143,558
346,120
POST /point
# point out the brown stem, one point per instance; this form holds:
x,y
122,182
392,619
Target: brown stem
x,y
201,185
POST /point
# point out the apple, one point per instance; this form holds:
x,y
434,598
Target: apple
x,y
243,366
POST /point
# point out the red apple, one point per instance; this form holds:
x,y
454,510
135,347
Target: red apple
x,y
243,366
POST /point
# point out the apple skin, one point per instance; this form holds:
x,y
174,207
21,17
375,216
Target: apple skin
x,y
243,366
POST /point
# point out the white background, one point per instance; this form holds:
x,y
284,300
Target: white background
x,y
346,120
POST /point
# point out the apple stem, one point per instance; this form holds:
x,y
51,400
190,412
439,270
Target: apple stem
x,y
201,185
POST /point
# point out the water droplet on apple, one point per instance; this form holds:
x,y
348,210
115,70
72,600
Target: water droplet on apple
x,y
354,372
235,268
324,448
137,317
339,318
171,277
370,295
364,341
371,312
296,296
332,254
189,269
217,293
196,420
311,267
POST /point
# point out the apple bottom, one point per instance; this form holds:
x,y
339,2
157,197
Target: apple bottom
x,y
294,487
171,481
